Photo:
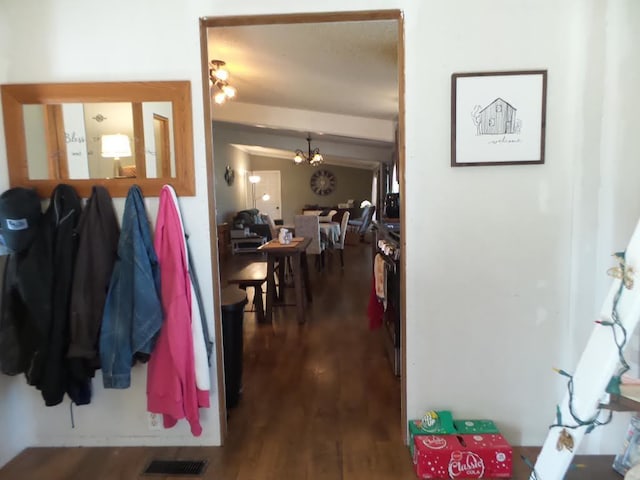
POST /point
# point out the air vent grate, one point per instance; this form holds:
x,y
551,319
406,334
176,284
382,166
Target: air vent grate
x,y
176,467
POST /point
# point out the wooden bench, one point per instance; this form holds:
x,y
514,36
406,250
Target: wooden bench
x,y
253,275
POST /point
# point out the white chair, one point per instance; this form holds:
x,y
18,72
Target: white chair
x,y
308,226
328,217
343,232
272,225
323,218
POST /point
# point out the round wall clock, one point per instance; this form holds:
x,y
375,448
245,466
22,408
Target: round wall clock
x,y
323,182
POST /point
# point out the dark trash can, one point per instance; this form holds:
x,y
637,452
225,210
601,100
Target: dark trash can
x,y
233,301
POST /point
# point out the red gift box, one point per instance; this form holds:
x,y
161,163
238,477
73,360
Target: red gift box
x,y
462,456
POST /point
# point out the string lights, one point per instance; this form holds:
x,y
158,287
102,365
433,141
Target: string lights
x,y
625,274
591,423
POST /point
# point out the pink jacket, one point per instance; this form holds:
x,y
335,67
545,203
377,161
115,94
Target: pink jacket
x,y
171,382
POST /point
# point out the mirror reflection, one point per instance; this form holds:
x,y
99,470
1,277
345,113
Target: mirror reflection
x,y
115,134
99,140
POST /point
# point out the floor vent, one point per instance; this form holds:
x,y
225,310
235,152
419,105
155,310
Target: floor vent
x,y
176,467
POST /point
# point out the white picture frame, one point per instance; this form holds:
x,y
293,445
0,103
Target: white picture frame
x,y
498,118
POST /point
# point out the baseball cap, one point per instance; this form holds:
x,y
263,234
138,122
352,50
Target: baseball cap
x,y
20,213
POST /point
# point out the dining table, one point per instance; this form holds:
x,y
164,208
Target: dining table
x,y
293,253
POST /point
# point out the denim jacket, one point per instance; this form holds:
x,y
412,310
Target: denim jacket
x,y
133,312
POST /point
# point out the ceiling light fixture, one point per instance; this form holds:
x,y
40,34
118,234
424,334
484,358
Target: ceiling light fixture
x,y
313,157
219,80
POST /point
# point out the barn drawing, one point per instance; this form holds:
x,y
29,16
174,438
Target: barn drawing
x,y
497,118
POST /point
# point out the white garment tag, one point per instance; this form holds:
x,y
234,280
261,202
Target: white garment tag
x,y
4,250
17,224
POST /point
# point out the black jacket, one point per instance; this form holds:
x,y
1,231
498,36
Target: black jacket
x,y
60,220
98,234
25,309
35,307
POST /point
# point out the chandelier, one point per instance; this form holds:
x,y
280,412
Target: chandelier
x,y
219,80
313,157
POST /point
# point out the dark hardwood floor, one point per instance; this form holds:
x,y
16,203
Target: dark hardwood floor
x,y
319,402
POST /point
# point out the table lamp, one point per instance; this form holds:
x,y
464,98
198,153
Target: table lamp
x,y
116,146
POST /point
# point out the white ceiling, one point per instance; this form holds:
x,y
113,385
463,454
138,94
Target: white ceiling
x,y
347,68
342,68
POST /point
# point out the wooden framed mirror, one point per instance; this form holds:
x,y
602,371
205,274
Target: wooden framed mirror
x,y
114,134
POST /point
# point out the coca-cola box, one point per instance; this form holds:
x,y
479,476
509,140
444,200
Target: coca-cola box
x,y
433,422
471,427
462,456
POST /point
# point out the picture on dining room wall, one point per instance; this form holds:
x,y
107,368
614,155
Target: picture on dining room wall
x,y
498,118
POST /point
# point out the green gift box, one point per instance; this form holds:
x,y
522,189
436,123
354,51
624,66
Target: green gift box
x,y
433,422
470,427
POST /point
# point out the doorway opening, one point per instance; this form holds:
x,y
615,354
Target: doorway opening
x,y
217,127
264,193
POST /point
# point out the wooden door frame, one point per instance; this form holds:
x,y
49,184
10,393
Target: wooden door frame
x,y
57,163
165,147
244,20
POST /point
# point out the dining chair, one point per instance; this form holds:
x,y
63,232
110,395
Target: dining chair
x,y
308,226
343,233
362,224
272,225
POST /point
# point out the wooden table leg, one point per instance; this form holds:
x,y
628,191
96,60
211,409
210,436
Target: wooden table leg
x,y
257,301
305,276
271,288
298,278
281,278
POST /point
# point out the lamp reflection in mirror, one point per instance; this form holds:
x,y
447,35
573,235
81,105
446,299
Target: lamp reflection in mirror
x,y
116,146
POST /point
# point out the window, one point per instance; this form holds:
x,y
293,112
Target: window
x,y
395,184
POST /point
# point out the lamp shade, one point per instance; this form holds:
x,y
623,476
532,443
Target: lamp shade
x,y
115,146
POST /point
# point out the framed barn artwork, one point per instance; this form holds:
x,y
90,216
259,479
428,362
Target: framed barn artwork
x,y
498,118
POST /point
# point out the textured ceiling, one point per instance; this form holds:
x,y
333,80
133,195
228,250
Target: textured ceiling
x,y
347,68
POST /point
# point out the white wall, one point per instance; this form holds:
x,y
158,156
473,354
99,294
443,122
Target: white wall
x,y
229,198
62,42
619,154
351,183
494,284
490,299
493,301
